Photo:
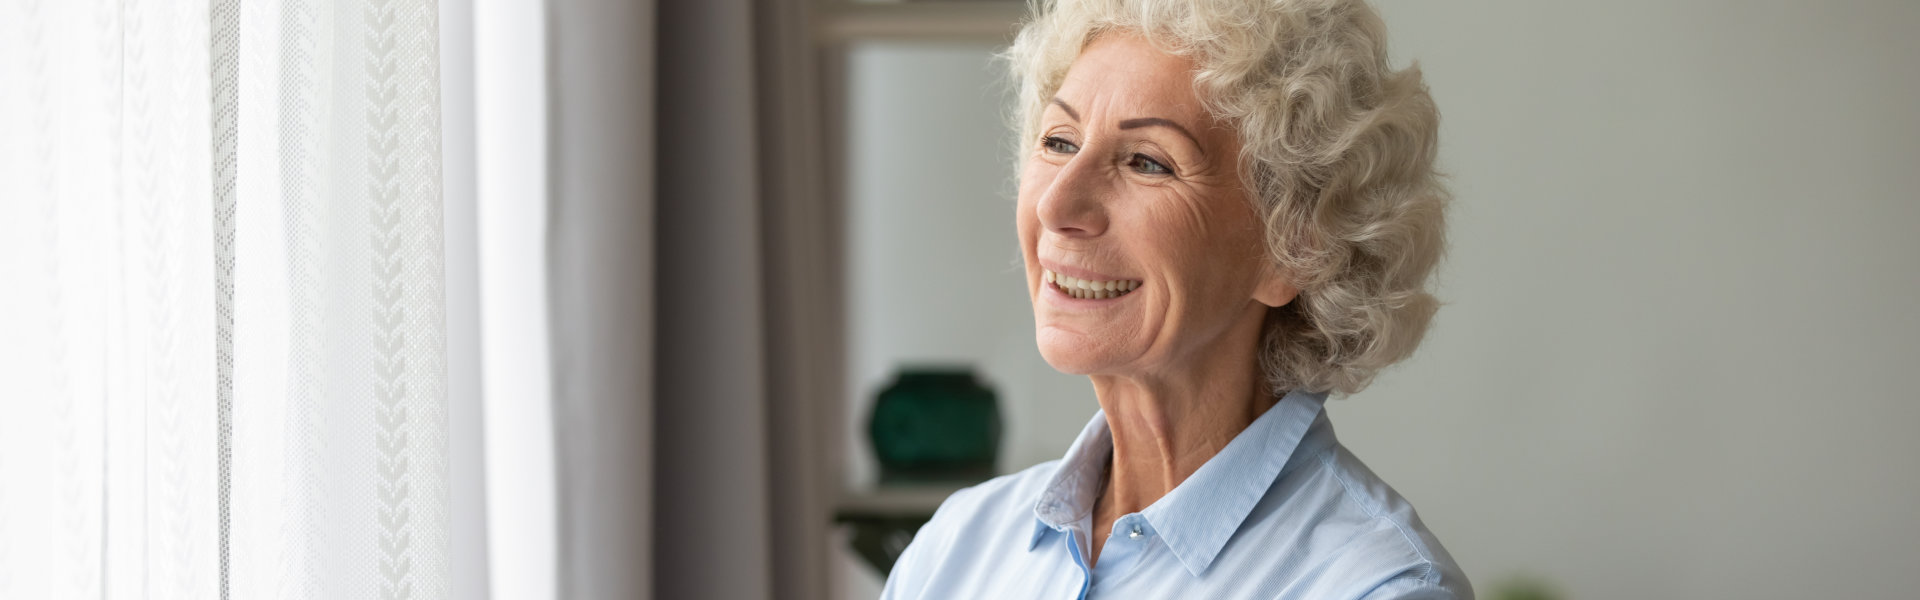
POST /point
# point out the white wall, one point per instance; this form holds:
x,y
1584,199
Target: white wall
x,y
1675,359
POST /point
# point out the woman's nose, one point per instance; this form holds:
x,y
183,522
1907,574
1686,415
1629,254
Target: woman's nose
x,y
1073,204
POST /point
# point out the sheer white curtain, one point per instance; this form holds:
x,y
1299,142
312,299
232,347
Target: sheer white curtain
x,y
264,262
223,325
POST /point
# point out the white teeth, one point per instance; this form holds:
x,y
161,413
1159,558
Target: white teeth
x,y
1081,288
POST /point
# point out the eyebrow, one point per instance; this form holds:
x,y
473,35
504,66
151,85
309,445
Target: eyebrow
x,y
1138,123
1159,122
1063,106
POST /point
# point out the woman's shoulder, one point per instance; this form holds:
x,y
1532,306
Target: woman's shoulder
x,y
993,517
1335,501
1002,505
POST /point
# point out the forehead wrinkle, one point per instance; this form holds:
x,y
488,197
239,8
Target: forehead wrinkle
x,y
1105,84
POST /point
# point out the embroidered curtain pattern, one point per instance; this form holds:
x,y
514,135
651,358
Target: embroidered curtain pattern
x,y
221,300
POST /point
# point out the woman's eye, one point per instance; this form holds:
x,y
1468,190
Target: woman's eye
x,y
1146,164
1058,145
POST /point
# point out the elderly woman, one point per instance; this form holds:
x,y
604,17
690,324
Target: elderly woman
x,y
1228,211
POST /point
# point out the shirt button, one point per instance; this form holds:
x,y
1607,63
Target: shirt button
x,y
1135,533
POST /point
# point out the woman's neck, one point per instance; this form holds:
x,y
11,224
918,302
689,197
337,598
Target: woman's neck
x,y
1169,419
1166,425
1163,431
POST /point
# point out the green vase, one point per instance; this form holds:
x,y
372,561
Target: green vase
x,y
935,425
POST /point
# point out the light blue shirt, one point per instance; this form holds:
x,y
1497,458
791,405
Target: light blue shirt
x,y
1284,511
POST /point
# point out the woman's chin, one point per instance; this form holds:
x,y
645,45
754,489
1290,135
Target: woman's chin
x,y
1073,353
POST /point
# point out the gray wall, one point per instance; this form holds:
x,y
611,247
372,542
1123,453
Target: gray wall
x,y
1675,355
1675,359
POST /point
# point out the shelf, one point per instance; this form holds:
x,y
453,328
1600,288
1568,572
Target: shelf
x,y
885,518
895,500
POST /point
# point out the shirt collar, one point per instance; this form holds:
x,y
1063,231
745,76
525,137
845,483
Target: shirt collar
x,y
1196,519
1069,495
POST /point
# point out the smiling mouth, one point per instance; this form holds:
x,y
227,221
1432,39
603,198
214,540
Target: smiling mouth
x,y
1087,289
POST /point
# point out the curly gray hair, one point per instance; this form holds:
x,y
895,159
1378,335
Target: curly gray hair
x,y
1337,148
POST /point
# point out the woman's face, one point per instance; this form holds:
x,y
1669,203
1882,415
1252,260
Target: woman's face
x,y
1132,186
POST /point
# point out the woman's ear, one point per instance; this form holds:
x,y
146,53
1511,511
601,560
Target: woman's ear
x,y
1276,288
